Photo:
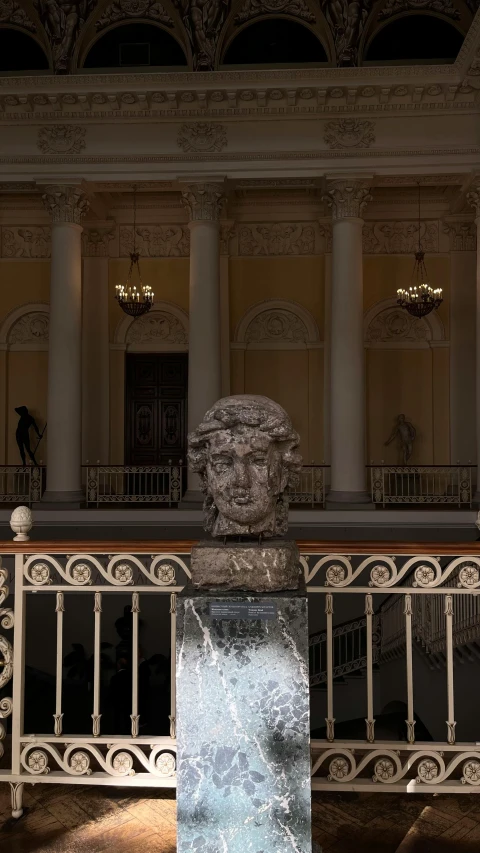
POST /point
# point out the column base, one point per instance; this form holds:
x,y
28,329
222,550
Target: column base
x,y
61,500
349,500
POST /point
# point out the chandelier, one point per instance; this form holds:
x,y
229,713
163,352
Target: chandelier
x,y
134,297
420,298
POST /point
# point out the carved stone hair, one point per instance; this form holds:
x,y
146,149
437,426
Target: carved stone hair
x,y
252,411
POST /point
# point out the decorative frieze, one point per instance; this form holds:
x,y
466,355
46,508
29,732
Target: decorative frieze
x,y
65,203
61,139
202,137
462,234
12,13
349,133
278,238
204,202
95,241
26,242
254,8
121,10
156,241
347,199
395,7
402,237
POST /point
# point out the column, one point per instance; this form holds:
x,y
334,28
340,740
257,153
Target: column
x,y
66,205
204,202
347,199
474,199
95,345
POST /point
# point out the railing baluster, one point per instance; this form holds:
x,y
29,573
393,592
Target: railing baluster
x,y
370,720
330,720
58,716
135,717
450,686
410,721
173,665
97,608
18,695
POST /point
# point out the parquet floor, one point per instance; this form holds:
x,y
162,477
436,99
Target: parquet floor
x,y
76,819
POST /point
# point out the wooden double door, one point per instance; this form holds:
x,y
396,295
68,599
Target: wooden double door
x,y
156,408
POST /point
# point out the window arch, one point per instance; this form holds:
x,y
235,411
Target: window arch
x,y
274,41
20,52
135,45
414,37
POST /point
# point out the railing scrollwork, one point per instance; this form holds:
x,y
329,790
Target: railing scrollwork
x,y
6,655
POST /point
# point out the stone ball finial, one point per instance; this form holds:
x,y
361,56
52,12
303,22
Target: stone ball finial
x,y
21,522
245,451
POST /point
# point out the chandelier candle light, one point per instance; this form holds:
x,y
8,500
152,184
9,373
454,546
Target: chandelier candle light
x,y
420,299
134,299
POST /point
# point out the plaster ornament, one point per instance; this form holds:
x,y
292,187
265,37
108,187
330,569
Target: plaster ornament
x,y
463,235
347,20
157,326
31,328
245,451
349,133
347,199
202,137
123,9
394,7
12,13
277,325
61,139
203,20
156,241
204,202
399,237
21,523
95,241
395,324
63,20
279,238
253,8
30,242
65,203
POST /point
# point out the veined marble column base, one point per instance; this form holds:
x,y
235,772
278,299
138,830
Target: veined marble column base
x,y
243,728
349,500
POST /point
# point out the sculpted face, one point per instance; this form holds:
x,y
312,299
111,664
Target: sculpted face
x,y
244,477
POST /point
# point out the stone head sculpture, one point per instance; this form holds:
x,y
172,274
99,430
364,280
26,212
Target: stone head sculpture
x,y
245,451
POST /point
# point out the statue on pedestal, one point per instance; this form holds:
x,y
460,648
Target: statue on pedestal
x,y
245,451
405,433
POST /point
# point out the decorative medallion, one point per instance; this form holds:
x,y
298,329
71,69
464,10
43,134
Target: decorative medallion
x,y
393,324
254,8
29,329
202,137
349,133
124,9
277,325
157,326
61,139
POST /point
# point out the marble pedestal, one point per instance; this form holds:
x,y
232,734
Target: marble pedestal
x,y
243,729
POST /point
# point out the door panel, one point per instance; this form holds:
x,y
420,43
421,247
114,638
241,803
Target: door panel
x,y
155,408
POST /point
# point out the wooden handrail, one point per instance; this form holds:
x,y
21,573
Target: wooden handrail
x,y
184,546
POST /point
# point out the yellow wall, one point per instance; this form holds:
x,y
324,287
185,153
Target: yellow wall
x,y
22,282
413,382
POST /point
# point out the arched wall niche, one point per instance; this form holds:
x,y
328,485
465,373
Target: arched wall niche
x,y
163,329
26,327
109,14
386,324
248,13
379,22
277,324
26,40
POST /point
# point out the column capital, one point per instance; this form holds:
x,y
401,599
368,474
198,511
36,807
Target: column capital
x,y
65,203
473,198
204,202
347,198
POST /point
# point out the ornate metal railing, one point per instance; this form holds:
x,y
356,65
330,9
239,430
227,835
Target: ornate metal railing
x,y
21,484
144,578
121,484
349,650
310,488
421,484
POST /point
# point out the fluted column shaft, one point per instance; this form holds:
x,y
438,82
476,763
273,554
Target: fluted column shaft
x,y
67,205
347,200
204,204
474,199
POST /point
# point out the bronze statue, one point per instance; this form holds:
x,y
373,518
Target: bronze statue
x,y
406,433
23,433
245,451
